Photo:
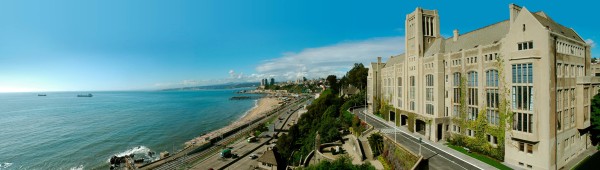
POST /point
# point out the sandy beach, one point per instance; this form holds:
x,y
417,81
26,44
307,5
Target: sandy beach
x,y
264,105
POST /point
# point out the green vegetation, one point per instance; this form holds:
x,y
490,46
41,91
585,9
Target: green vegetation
x,y
322,116
356,77
398,157
260,129
591,162
342,163
480,157
376,143
327,117
333,83
385,163
595,120
357,126
480,126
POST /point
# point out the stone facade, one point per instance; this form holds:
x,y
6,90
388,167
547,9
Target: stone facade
x,y
540,67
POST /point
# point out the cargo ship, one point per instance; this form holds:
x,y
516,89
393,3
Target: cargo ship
x,y
85,95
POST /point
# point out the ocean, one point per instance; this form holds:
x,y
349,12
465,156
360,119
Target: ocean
x,y
62,131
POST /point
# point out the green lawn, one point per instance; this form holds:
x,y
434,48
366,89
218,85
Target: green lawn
x,y
480,157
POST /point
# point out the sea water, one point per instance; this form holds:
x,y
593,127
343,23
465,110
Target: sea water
x,y
63,131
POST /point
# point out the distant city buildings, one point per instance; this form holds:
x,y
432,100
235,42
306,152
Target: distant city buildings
x,y
540,68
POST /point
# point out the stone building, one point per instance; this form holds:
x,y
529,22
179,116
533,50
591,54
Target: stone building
x,y
540,68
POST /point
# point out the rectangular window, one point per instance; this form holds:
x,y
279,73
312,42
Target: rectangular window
x,y
522,89
429,94
558,69
520,46
429,109
521,146
412,87
530,148
523,122
455,110
525,45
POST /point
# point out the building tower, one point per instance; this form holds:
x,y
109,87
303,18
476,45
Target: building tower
x,y
422,28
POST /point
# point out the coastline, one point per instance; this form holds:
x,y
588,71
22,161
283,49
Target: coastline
x,y
263,105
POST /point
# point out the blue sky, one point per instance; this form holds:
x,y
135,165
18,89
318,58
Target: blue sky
x,y
144,45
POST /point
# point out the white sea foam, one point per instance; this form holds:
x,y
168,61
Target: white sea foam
x,y
135,150
138,150
248,111
80,167
5,165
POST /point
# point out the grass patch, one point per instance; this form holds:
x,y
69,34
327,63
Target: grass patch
x,y
480,157
386,165
591,162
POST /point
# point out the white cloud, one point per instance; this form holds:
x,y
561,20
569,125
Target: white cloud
x,y
590,42
333,59
316,62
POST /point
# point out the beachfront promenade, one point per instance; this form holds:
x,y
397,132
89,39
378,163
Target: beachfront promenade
x,y
199,149
244,149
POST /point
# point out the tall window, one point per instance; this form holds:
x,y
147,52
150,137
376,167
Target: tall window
x,y
429,94
456,78
522,89
472,101
412,93
559,109
522,97
456,83
491,83
399,92
429,87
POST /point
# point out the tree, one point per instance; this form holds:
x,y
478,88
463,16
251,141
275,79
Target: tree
x,y
333,84
376,142
344,162
357,76
595,120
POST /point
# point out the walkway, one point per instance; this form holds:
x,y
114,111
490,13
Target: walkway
x,y
436,155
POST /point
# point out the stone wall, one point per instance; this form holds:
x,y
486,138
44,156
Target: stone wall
x,y
397,156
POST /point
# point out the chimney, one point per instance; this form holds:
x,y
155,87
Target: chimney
x,y
455,35
514,11
378,60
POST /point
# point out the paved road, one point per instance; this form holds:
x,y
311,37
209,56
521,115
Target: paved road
x,y
435,158
244,149
185,160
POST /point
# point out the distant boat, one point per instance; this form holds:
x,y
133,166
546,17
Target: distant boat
x,y
41,94
85,95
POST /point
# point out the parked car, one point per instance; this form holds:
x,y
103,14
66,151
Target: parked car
x,y
253,156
